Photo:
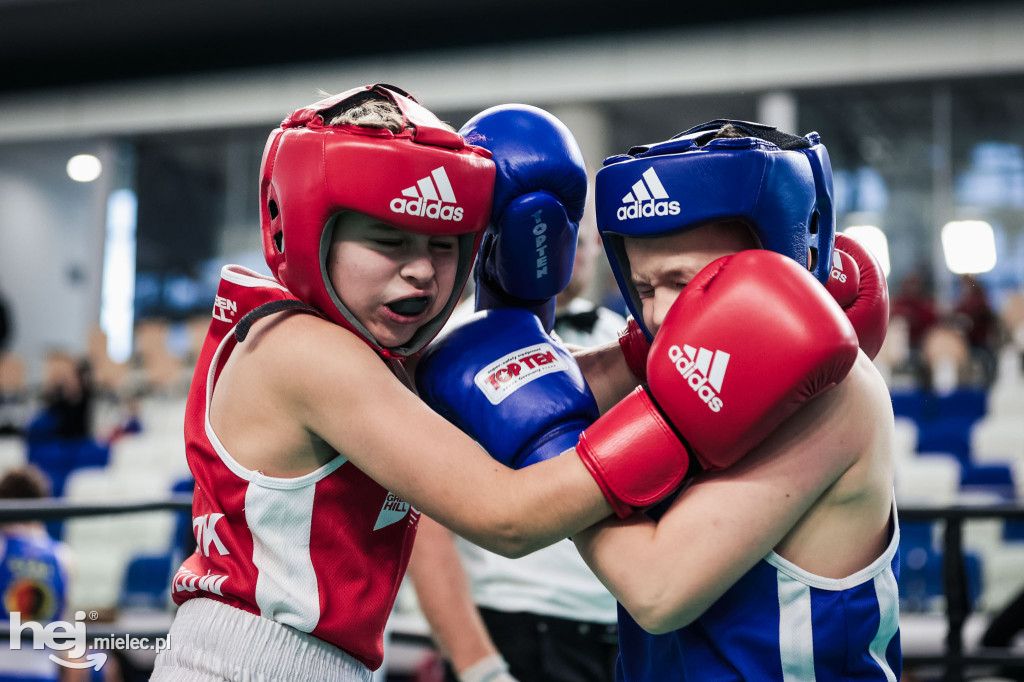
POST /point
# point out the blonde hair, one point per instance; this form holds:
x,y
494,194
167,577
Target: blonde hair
x,y
371,113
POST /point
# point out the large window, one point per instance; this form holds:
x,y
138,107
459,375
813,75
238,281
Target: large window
x,y
912,158
198,208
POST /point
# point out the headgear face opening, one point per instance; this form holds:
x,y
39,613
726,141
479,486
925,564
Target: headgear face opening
x,y
779,185
423,179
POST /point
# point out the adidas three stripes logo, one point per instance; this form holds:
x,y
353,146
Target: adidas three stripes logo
x,y
647,198
430,197
704,371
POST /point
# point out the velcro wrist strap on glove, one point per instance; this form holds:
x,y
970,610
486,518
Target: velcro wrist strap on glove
x,y
634,454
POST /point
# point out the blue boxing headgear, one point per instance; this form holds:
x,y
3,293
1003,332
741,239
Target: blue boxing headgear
x,y
780,185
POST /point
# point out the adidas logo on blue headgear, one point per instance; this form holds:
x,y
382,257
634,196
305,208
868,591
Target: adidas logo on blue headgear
x,y
779,184
647,197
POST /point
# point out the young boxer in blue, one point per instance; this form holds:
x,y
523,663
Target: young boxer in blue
x,y
778,558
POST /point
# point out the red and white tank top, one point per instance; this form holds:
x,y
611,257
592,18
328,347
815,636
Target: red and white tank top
x,y
323,553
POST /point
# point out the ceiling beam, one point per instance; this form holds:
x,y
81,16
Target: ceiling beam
x,y
867,47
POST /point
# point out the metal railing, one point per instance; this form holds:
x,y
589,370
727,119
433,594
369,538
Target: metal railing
x,y
955,661
954,578
55,509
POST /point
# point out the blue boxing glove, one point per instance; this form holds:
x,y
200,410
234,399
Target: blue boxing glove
x,y
540,188
501,379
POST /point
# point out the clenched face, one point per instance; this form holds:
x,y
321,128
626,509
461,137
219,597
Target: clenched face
x,y
391,280
660,267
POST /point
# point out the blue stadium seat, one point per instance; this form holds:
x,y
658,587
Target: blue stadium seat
x,y
1013,531
921,578
952,435
944,422
916,534
963,403
990,478
183,539
58,457
908,404
90,453
146,582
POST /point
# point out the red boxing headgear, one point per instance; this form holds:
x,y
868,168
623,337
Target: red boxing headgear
x,y
424,179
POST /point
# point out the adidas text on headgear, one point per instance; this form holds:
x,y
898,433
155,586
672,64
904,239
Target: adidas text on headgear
x,y
423,179
779,185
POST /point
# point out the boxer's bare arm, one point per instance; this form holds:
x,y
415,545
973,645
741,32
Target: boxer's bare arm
x,y
726,521
606,372
328,384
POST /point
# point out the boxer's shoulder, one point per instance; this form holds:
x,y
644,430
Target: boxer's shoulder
x,y
288,359
856,431
867,386
293,340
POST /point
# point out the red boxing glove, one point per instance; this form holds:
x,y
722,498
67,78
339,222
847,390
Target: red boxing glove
x,y
858,285
635,347
761,338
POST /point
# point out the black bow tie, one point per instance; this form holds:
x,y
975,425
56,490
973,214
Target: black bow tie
x,y
581,322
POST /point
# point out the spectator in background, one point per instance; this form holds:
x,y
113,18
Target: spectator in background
x,y
115,398
161,372
916,304
60,435
945,360
974,314
108,376
67,399
33,578
1012,321
15,400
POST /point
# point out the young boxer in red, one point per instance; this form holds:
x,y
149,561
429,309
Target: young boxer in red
x,y
312,455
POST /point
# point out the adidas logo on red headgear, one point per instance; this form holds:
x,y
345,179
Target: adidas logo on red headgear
x,y
648,199
429,197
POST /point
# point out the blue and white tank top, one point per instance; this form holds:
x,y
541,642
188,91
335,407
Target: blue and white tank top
x,y
780,623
